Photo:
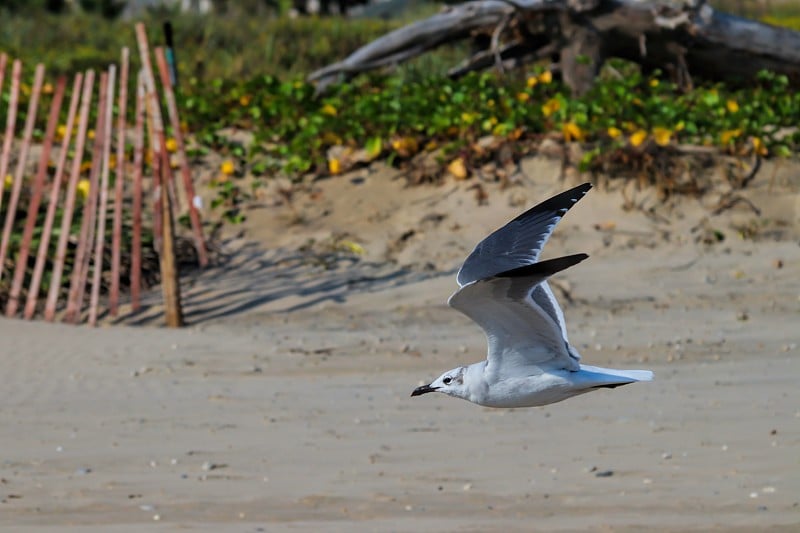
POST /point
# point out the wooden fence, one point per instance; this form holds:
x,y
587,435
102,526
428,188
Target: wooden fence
x,y
110,190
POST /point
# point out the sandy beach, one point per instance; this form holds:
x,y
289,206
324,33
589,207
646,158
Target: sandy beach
x,y
284,405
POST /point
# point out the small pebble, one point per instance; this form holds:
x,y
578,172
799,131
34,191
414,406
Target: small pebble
x,y
604,473
83,471
754,495
467,486
666,455
147,507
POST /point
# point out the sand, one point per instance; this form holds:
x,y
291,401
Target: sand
x,y
284,405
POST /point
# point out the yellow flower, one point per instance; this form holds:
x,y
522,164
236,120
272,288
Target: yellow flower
x,y
8,181
654,82
244,100
47,88
86,166
458,169
758,146
637,137
227,167
523,97
550,107
172,145
468,118
662,136
334,166
83,188
732,105
90,134
572,132
546,77
490,103
61,131
532,81
728,135
614,132
405,146
328,109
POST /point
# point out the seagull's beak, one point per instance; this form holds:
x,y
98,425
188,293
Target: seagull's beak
x,y
423,390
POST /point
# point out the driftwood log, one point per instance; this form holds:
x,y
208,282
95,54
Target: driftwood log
x,y
687,39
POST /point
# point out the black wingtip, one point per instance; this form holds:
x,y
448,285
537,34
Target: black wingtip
x,y
561,202
545,269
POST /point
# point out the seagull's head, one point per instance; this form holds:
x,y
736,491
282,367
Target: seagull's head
x,y
451,383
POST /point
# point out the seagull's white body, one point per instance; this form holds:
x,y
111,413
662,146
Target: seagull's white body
x,y
503,288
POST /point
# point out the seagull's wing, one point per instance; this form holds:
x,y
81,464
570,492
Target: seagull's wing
x,y
519,242
543,296
520,332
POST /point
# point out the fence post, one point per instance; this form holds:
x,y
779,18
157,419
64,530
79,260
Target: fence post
x,y
37,190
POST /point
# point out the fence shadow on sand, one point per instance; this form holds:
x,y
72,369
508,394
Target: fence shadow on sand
x,y
255,280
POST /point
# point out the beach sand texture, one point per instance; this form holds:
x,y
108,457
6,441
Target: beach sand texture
x,y
285,406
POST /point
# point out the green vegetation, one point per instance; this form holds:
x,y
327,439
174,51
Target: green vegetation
x,y
207,47
399,116
246,73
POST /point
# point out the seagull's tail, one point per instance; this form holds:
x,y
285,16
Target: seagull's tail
x,y
635,375
596,376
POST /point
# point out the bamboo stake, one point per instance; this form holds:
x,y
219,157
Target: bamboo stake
x,y
119,184
155,125
80,269
11,122
186,173
101,211
3,62
30,122
37,190
55,191
69,204
170,286
138,157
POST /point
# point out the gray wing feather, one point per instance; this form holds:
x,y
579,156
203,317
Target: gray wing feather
x,y
543,296
520,333
519,242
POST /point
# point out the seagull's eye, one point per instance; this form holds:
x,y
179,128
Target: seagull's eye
x,y
447,381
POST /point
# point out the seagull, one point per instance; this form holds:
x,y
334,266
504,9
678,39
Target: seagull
x,y
503,288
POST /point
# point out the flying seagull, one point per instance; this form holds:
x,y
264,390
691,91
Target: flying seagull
x,y
503,287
